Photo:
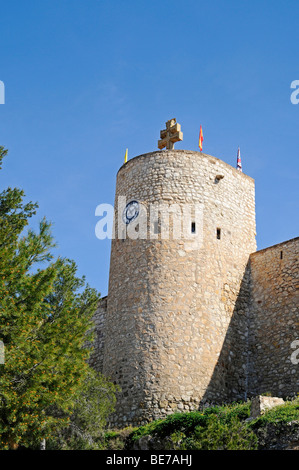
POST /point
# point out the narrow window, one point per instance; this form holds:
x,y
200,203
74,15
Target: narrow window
x,y
193,227
218,233
281,255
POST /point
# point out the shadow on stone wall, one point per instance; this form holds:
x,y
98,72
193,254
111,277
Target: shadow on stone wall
x,y
229,381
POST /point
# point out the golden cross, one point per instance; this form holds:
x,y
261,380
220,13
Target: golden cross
x,y
170,135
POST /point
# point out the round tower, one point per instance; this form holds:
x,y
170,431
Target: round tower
x,y
185,227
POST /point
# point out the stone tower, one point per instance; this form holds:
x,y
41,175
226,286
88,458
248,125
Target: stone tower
x,y
171,299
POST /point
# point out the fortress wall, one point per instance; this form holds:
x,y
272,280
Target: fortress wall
x,y
274,319
97,355
170,303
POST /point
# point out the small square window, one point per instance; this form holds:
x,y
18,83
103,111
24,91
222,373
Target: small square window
x,y
193,227
218,233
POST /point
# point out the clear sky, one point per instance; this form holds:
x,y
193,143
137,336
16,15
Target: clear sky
x,y
86,79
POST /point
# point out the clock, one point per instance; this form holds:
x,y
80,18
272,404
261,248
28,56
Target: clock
x,y
131,211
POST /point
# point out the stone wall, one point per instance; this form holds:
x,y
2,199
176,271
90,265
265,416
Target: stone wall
x,y
274,320
97,355
170,304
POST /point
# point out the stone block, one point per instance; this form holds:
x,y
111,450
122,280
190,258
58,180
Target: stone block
x,y
261,404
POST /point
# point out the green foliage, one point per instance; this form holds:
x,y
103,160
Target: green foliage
x,y
3,153
280,414
187,422
217,427
45,315
227,413
115,440
85,430
219,435
216,435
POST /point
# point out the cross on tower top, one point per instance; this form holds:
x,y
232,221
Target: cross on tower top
x,y
170,135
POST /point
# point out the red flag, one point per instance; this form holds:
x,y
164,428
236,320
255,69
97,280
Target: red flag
x,y
200,139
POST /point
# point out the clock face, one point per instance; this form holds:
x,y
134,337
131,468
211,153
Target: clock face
x,y
131,212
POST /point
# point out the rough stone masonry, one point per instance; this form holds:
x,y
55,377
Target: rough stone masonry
x,y
183,326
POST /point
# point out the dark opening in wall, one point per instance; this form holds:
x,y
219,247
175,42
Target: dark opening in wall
x,y
193,227
281,255
218,178
218,233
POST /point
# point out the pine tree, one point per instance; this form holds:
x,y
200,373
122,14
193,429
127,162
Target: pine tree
x,y
86,429
45,317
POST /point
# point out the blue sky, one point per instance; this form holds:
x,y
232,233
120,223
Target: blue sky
x,y
86,79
